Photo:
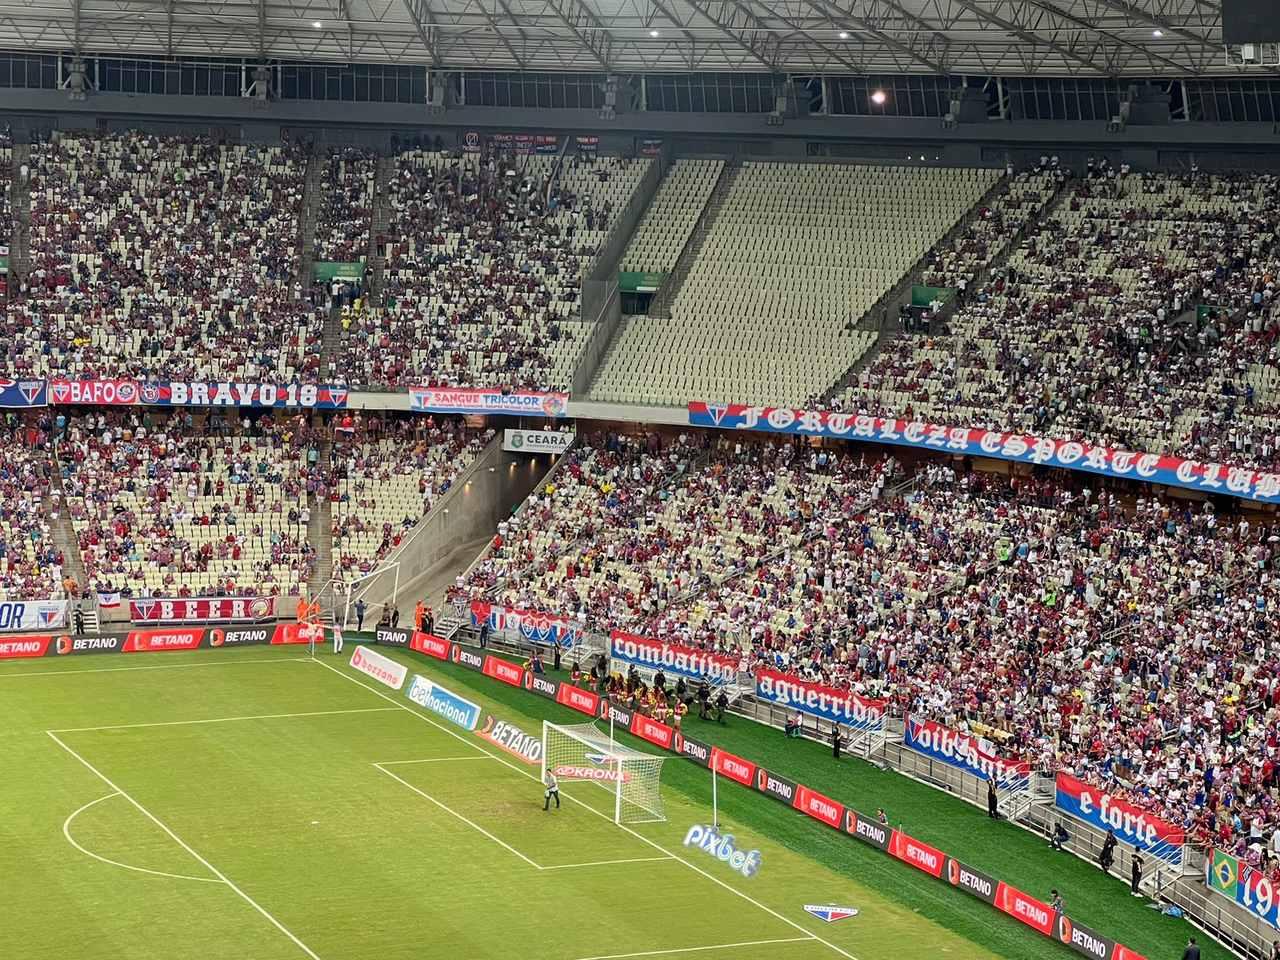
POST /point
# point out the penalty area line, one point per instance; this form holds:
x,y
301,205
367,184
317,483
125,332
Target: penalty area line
x,y
605,863
187,847
183,723
714,946
639,836
166,666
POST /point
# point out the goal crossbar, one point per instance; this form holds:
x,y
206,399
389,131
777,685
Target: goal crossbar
x,y
580,752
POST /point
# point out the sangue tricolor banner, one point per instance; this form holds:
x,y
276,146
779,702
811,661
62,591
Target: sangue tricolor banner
x,y
819,700
672,658
459,400
974,755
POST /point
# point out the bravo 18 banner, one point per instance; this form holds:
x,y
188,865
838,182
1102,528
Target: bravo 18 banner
x,y
819,700
1131,824
181,393
1069,454
973,755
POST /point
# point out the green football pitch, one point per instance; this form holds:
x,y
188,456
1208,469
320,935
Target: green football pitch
x,y
257,804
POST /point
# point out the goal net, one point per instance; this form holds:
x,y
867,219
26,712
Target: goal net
x,y
580,752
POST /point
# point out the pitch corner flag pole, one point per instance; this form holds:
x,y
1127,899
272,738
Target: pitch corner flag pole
x,y
715,805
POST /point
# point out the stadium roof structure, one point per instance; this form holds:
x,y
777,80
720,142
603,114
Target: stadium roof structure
x,y
1107,38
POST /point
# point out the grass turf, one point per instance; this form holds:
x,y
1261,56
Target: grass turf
x,y
998,847
230,804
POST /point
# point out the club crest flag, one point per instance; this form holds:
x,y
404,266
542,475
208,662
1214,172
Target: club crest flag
x,y
830,913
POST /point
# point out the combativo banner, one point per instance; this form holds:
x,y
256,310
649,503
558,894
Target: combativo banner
x,y
672,658
1069,454
536,441
19,615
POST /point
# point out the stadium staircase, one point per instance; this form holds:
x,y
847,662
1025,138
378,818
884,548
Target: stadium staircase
x,y
660,306
320,530
882,316
331,340
312,192
20,202
63,533
378,221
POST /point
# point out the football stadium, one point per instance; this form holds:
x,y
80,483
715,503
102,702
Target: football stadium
x,y
618,479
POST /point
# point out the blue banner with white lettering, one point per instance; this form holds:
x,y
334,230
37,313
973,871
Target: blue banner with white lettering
x,y
24,393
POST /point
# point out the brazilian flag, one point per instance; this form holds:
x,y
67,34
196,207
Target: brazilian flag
x,y
1223,873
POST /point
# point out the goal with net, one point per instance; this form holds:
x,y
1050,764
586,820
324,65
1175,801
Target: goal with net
x,y
580,752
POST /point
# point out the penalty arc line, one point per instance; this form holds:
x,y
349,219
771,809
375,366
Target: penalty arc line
x,y
714,946
657,846
66,832
187,847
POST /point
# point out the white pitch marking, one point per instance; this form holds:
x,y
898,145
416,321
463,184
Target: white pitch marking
x,y
185,846
392,763
657,846
167,666
714,946
183,723
470,823
605,863
66,832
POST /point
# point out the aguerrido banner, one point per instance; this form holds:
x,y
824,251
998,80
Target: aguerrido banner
x,y
819,700
973,755
1132,824
184,393
32,615
672,658
202,609
1069,454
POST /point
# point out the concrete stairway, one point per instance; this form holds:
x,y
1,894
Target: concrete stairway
x,y
377,265
331,344
660,306
320,530
313,191
62,533
20,201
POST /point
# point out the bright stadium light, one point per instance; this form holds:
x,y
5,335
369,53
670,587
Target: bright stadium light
x,y
318,25
878,97
1157,33
844,34
653,33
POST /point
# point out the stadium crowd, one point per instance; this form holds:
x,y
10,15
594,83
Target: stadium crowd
x,y
1130,641
165,257
31,566
346,205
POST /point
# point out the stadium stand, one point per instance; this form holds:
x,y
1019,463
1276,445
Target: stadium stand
x,y
346,205
162,256
176,506
794,258
485,261
388,475
670,218
6,188
30,562
1122,640
1157,292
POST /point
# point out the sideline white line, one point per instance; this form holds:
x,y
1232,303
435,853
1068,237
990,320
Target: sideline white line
x,y
473,825
392,763
605,863
183,723
66,832
183,844
657,846
714,946
167,666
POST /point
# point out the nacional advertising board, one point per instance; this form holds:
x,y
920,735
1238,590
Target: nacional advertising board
x,y
468,400
1131,824
184,393
202,609
973,755
24,393
536,441
25,615
431,696
672,658
819,700
1068,454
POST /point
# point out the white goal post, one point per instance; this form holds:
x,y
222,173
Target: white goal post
x,y
580,752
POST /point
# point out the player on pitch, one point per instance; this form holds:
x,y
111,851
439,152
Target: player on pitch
x,y
553,790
